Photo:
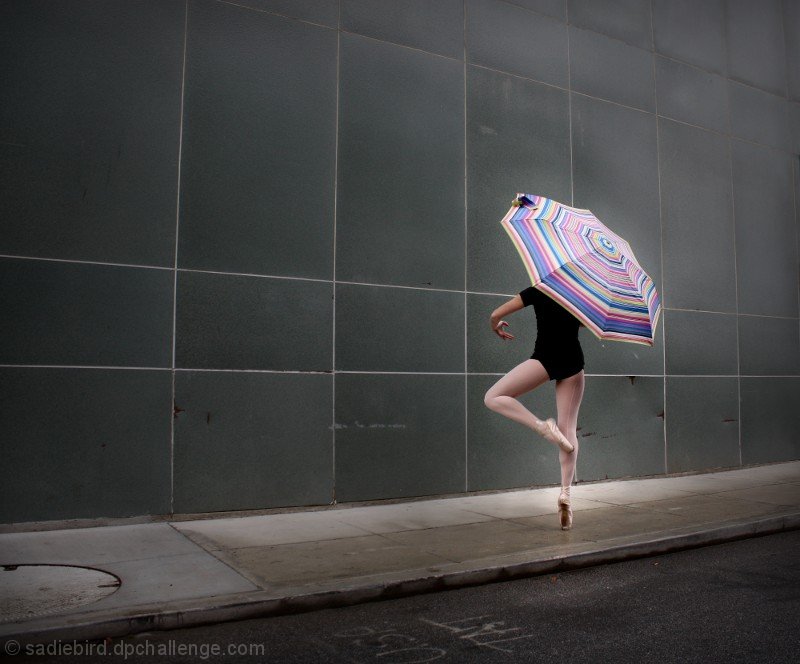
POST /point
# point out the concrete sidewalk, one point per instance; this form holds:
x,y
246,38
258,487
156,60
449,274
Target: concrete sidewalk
x,y
184,572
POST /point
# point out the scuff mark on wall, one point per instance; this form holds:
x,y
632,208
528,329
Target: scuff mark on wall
x,y
358,425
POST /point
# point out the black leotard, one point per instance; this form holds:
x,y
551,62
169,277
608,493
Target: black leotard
x,y
557,346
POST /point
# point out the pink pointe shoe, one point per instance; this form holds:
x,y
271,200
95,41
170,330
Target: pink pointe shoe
x,y
564,509
549,430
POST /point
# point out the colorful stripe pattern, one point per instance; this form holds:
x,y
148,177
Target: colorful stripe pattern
x,y
570,255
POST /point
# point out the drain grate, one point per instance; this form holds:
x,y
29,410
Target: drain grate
x,y
29,591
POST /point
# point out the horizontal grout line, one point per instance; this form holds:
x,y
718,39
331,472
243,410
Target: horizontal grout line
x,y
85,262
699,311
534,11
704,376
725,77
672,58
364,283
728,135
340,281
82,366
746,84
767,316
380,373
253,274
767,376
274,13
417,49
233,274
729,313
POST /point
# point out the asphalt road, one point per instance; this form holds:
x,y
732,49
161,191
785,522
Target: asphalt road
x,y
734,602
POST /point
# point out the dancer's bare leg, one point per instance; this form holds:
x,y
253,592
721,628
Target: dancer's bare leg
x,y
524,377
569,393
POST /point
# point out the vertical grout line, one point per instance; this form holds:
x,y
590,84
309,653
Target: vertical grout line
x,y
733,228
569,106
795,158
786,58
335,206
795,169
795,189
736,286
795,184
466,377
661,240
575,478
175,264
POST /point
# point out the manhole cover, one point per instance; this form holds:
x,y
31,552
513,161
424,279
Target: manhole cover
x,y
27,591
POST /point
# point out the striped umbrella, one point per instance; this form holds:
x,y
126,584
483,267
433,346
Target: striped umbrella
x,y
570,255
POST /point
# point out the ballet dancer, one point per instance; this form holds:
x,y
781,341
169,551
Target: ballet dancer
x,y
557,355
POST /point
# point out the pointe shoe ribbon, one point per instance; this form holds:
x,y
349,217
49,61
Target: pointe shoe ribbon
x,y
549,430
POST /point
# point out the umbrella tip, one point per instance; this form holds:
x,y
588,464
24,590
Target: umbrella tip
x,y
525,199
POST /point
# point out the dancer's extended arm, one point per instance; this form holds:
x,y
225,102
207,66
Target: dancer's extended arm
x,y
514,304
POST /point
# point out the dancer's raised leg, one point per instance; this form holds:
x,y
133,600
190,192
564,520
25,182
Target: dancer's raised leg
x,y
501,397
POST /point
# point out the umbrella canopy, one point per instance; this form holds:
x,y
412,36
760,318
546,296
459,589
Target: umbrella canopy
x,y
591,271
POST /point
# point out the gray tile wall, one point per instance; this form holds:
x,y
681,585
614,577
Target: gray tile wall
x,y
248,250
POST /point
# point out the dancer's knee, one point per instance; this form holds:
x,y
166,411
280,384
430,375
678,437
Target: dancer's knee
x,y
494,400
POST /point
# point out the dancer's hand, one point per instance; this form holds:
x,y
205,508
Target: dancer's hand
x,y
501,332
